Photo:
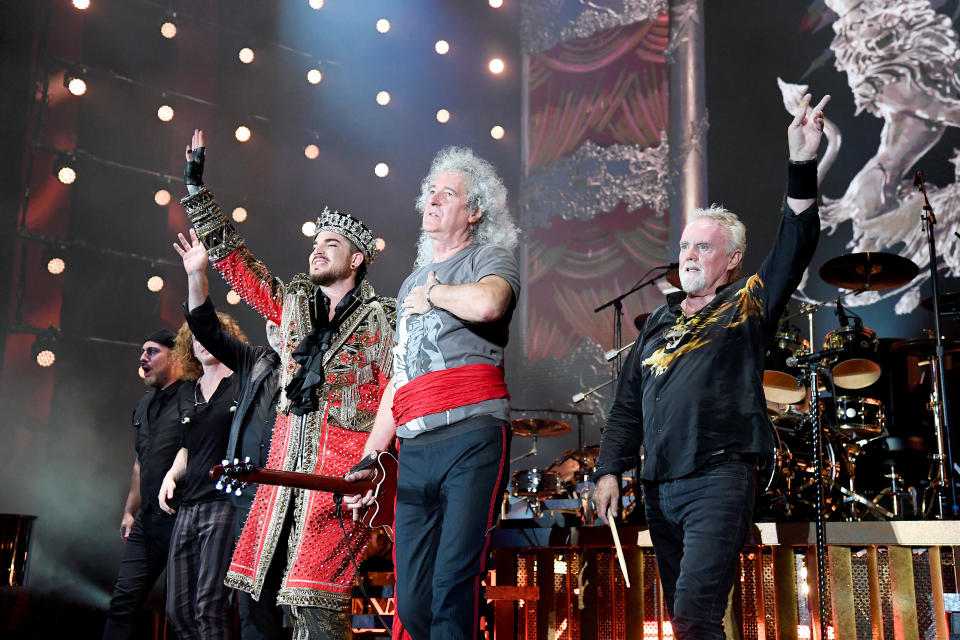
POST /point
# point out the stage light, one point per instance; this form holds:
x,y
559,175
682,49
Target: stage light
x,y
312,151
246,55
309,228
497,132
56,266
383,98
380,244
82,5
496,65
239,214
233,297
63,168
441,47
168,28
315,4
45,345
496,4
443,116
381,170
162,197
314,76
141,373
155,283
242,134
165,113
73,80
383,25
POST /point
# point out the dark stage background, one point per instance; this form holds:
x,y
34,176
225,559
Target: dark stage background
x,y
67,444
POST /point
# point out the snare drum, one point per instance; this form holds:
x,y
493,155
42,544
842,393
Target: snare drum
x,y
781,383
534,482
857,367
857,417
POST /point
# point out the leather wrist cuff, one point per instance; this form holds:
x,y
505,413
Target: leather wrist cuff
x,y
802,179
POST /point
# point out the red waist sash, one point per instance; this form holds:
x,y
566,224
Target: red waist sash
x,y
448,389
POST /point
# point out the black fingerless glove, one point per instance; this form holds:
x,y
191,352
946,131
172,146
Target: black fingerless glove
x,y
193,171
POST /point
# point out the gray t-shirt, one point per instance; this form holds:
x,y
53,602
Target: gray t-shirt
x,y
439,340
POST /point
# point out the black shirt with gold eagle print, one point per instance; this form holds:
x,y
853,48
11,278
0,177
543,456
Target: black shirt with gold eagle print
x,y
692,386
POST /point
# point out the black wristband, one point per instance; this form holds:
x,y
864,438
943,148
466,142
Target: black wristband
x,y
802,179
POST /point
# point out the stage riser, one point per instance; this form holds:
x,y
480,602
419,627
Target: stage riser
x,y
879,592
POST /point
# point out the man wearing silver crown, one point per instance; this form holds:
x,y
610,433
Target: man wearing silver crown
x,y
335,364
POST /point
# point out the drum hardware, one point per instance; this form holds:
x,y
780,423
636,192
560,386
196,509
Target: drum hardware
x,y
859,369
535,428
949,304
781,382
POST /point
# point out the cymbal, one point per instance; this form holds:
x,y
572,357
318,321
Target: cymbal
x,y
673,277
924,347
589,452
872,271
539,427
949,303
639,320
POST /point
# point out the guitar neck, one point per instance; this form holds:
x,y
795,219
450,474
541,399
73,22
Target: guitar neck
x,y
308,481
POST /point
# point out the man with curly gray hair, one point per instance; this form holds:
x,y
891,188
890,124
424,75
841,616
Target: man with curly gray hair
x,y
448,398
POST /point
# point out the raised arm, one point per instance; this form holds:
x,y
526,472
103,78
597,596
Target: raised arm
x,y
248,277
803,140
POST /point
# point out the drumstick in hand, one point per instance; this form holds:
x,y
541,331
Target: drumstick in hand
x,y
616,542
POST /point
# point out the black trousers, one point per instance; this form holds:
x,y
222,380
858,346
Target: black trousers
x,y
449,493
259,620
144,558
698,525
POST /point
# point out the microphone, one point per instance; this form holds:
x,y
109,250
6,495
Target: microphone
x,y
918,179
578,397
672,265
796,361
842,314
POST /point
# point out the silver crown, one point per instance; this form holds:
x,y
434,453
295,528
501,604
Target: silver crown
x,y
351,229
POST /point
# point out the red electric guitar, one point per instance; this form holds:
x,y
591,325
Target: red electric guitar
x,y
237,475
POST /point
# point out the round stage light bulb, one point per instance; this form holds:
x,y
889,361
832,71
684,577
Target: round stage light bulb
x,y
383,98
496,66
383,25
233,297
309,228
246,55
155,283
316,4
77,86
66,175
165,113
56,266
441,47
381,170
239,214
314,76
46,358
81,4
380,244
312,151
242,133
443,116
496,4
162,197
497,132
140,372
168,30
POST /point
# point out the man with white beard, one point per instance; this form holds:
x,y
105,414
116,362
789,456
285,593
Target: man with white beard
x,y
689,401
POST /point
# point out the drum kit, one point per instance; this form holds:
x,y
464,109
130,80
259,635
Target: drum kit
x,y
565,487
863,465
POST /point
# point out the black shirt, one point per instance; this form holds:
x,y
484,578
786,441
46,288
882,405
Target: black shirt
x,y
692,387
157,421
257,371
206,429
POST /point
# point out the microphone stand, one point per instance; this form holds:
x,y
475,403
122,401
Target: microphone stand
x,y
944,464
617,304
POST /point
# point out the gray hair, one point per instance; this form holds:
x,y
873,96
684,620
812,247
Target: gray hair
x,y
736,232
485,192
